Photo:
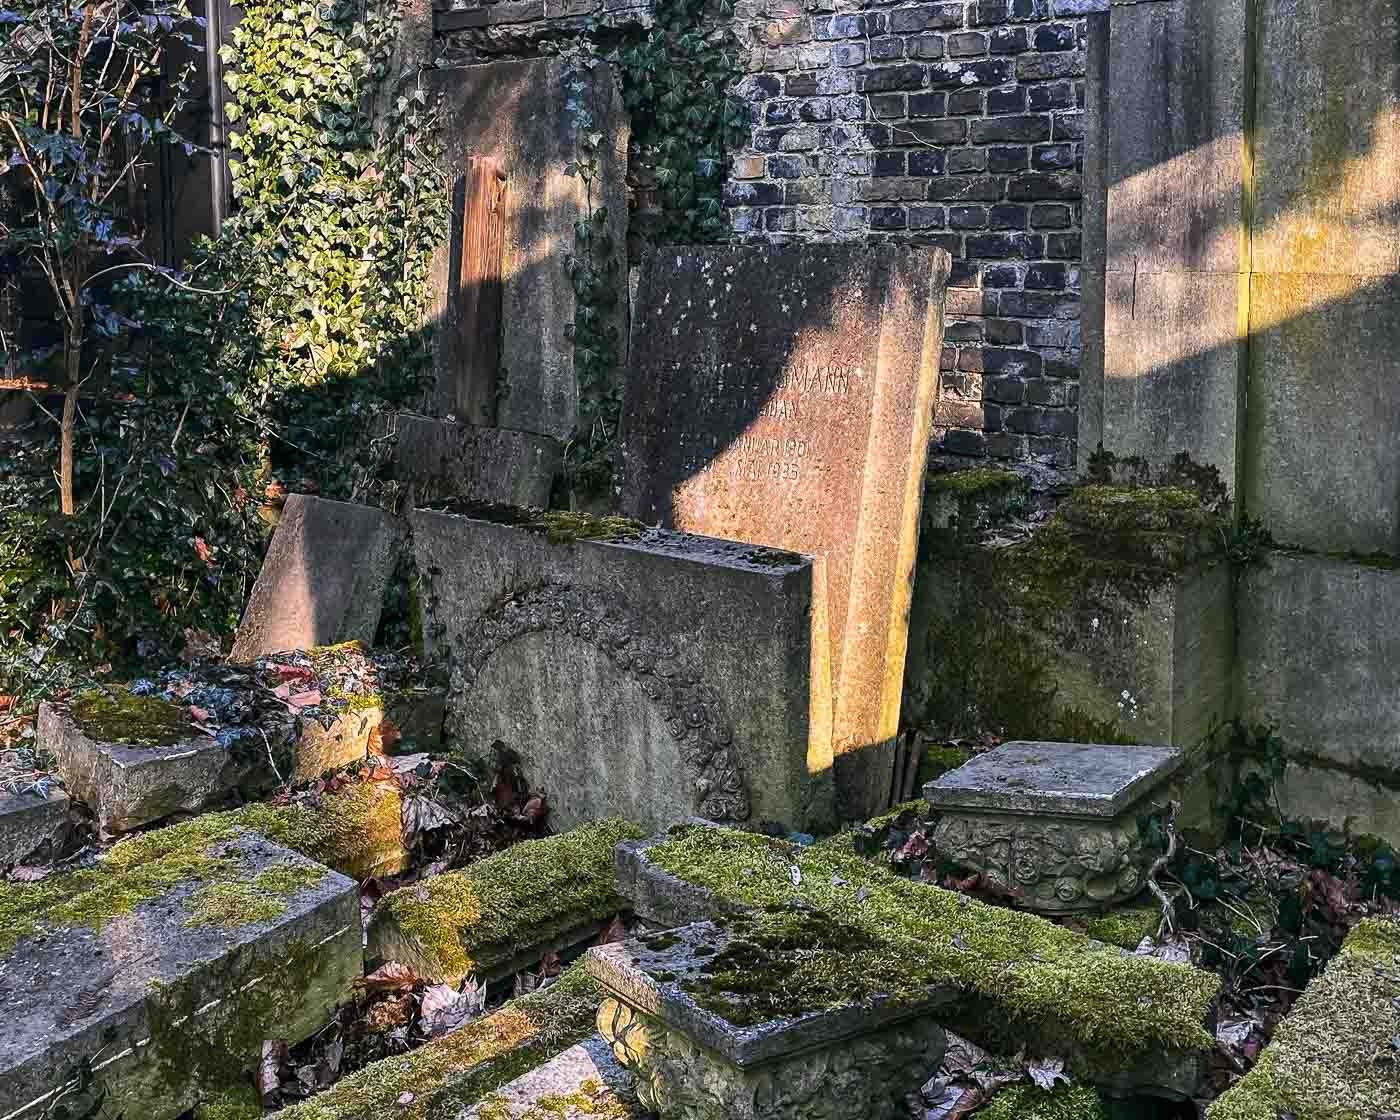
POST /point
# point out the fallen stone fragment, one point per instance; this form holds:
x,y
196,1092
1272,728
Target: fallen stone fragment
x,y
503,913
165,965
1129,1024
582,1083
31,826
775,1016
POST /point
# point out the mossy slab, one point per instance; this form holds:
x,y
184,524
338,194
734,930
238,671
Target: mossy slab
x,y
498,914
1120,1021
463,1068
584,1082
174,957
1334,1056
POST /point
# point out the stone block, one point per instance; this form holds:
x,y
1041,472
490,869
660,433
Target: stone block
x,y
323,579
642,674
784,396
518,113
1055,824
444,459
129,784
31,827
703,1051
1319,638
580,1083
167,966
1323,435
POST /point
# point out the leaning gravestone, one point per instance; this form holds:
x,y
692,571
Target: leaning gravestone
x,y
323,580
784,396
639,673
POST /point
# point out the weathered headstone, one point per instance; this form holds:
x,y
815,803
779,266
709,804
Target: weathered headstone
x,y
642,674
784,396
30,825
446,459
169,982
323,580
526,115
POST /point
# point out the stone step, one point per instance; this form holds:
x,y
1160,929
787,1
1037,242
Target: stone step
x,y
502,913
584,1082
1128,1024
31,826
1335,1053
165,966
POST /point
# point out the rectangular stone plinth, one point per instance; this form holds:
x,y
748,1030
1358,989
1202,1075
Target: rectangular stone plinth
x,y
784,396
168,964
323,579
647,674
30,826
705,1047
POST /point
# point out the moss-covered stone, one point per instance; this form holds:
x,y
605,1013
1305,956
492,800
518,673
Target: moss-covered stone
x,y
560,526
939,760
1125,926
356,831
1026,981
1028,1102
460,1068
1333,1057
114,715
232,904
452,925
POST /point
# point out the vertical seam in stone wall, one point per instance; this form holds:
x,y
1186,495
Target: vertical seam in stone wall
x,y
1253,30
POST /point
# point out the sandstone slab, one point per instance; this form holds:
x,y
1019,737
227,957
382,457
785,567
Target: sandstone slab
x,y
643,674
784,396
519,113
323,580
171,998
442,459
30,825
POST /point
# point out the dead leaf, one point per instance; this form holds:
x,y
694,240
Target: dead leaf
x,y
534,810
1234,1034
1046,1071
383,737
444,1009
199,715
273,1067
391,977
616,931
550,965
203,551
795,873
423,814
282,691
294,673
308,699
951,1102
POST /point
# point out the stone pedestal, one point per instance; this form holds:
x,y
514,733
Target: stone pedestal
x,y
30,826
1053,823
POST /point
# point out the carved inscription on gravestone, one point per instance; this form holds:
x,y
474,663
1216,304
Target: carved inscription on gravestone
x,y
783,396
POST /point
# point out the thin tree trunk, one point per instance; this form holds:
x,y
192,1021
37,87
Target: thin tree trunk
x,y
72,362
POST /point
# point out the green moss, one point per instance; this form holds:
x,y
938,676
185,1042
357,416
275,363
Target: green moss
x,y
592,1099
560,526
116,716
1029,1102
356,831
772,558
979,482
939,760
233,904
1026,980
1333,1057
461,1068
1125,926
240,1103
452,925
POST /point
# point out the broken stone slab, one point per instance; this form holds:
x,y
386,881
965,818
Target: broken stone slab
x,y
503,913
1128,1024
162,768
31,826
1054,824
461,1068
639,673
443,459
166,964
784,396
323,579
687,1013
581,1083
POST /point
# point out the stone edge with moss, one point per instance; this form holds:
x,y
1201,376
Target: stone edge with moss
x,y
115,715
1333,1057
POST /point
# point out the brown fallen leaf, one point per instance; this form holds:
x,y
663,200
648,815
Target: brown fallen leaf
x,y
390,977
383,737
534,810
308,699
444,1009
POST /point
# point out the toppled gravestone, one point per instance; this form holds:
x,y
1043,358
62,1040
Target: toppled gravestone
x,y
31,825
639,673
323,580
784,396
166,965
1054,824
777,1016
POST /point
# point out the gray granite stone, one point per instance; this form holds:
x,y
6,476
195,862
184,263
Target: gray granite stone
x,y
30,826
85,991
582,1082
445,459
655,894
323,579
1055,779
650,676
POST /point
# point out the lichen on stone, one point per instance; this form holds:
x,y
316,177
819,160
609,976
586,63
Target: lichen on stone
x,y
454,924
114,715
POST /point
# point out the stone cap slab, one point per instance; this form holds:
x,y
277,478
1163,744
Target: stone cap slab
x,y
652,974
1055,779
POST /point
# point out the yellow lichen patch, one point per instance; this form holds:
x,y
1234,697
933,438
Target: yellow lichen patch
x,y
233,904
1025,979
456,924
461,1068
116,716
1333,1057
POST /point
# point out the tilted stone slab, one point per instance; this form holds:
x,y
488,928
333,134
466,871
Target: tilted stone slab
x,y
784,396
1054,824
503,913
30,825
446,459
1129,1024
323,580
651,675
855,1058
582,1082
167,965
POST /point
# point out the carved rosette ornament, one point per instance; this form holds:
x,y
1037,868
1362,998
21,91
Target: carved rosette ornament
x,y
1054,865
663,669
